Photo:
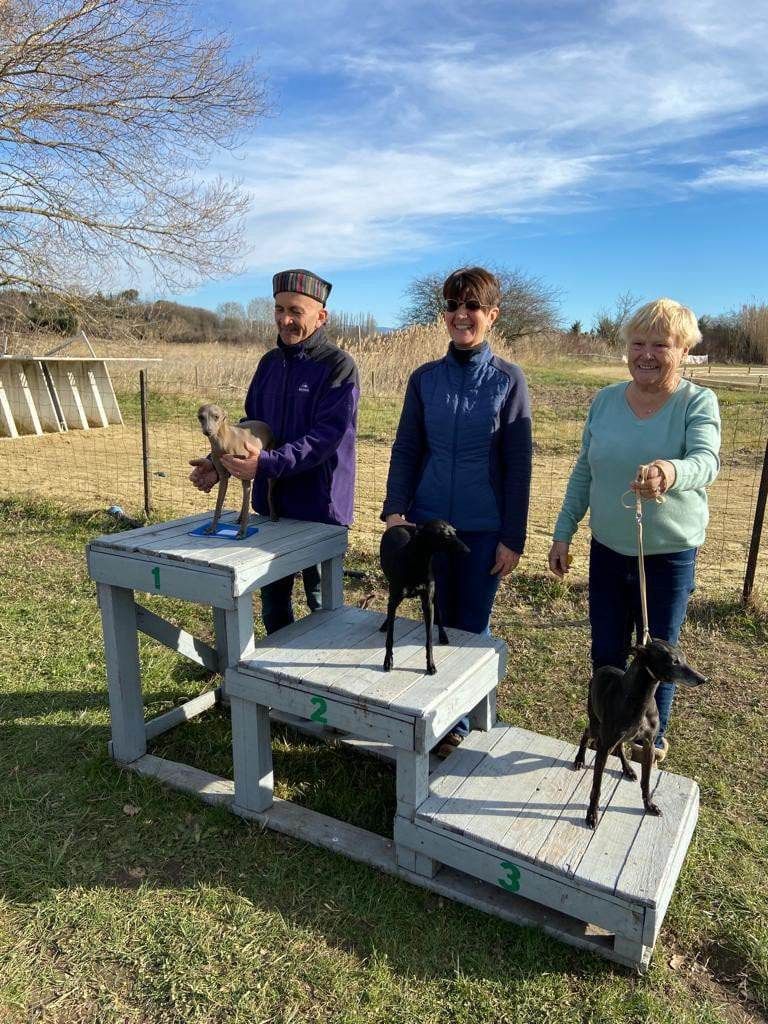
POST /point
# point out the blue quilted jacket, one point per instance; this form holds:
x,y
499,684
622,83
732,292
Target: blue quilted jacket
x,y
463,448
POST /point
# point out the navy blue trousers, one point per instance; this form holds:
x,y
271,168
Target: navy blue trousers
x,y
465,589
615,612
276,606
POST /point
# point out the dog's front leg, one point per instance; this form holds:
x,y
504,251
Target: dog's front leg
x,y
245,509
581,753
441,634
645,778
428,611
394,601
223,484
626,768
594,797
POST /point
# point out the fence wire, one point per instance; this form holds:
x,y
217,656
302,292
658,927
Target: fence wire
x,y
98,468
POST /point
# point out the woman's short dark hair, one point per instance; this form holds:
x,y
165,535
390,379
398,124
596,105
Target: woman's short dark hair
x,y
473,283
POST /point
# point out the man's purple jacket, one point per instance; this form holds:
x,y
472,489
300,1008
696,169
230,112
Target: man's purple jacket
x,y
308,394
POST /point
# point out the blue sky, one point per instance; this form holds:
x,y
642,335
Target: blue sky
x,y
603,147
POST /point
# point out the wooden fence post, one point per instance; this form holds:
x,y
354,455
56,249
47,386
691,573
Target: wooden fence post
x,y
757,529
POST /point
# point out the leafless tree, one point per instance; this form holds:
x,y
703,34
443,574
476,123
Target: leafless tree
x,y
110,111
529,306
608,322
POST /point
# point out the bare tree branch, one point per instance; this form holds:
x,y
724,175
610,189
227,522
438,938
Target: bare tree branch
x,y
110,111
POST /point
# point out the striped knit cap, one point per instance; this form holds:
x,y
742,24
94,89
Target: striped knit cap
x,y
303,282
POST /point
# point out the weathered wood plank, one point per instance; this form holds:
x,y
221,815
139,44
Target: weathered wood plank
x,y
454,771
251,754
176,638
183,713
564,847
7,421
555,781
408,685
121,651
412,782
604,858
288,561
524,878
140,572
645,872
327,708
494,791
332,582
230,553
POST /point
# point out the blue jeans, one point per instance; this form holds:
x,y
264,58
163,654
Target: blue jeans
x,y
276,606
615,611
465,589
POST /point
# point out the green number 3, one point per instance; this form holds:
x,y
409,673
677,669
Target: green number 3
x,y
512,882
318,715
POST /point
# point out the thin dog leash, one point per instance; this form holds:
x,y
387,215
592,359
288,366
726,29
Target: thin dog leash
x,y
642,474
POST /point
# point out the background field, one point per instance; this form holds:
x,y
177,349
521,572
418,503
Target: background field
x,y
121,901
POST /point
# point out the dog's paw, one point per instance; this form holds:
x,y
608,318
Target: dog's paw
x,y
653,809
444,640
578,764
388,664
629,773
431,670
592,819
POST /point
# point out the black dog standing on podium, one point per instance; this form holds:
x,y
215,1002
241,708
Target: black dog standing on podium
x,y
406,559
622,707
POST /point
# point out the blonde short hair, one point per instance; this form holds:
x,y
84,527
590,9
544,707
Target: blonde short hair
x,y
663,317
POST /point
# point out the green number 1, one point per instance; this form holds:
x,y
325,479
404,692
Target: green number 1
x,y
512,882
156,574
318,715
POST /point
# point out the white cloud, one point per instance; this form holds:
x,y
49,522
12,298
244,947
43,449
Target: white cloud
x,y
452,120
743,169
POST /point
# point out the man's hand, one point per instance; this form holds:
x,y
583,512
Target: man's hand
x,y
396,519
506,560
204,475
559,559
244,467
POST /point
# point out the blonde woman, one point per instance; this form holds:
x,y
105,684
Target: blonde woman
x,y
659,420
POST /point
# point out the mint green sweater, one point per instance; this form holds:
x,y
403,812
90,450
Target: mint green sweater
x,y
686,431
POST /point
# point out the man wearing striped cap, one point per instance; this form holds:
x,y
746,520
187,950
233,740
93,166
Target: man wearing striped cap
x,y
307,390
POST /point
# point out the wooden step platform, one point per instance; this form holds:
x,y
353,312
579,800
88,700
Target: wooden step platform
x,y
508,808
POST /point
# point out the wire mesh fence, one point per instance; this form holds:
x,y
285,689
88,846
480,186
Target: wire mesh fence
x,y
95,469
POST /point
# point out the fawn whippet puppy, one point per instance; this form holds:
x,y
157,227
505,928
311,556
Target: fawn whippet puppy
x,y
228,440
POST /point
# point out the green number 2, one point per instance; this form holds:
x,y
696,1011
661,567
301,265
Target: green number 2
x,y
318,715
512,882
156,574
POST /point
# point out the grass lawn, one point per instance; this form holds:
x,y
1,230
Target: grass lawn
x,y
121,901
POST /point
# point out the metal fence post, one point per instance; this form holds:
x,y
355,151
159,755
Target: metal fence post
x,y
145,442
757,529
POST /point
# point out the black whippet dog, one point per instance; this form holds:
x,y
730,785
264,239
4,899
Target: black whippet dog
x,y
622,708
406,558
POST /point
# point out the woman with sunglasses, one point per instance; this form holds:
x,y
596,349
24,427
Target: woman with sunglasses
x,y
463,453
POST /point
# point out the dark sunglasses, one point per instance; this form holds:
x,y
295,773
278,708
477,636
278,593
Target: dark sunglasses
x,y
451,305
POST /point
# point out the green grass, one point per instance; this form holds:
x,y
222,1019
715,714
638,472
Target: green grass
x,y
123,901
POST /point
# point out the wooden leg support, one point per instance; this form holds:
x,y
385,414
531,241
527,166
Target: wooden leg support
x,y
483,716
332,582
252,755
632,951
412,790
121,651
